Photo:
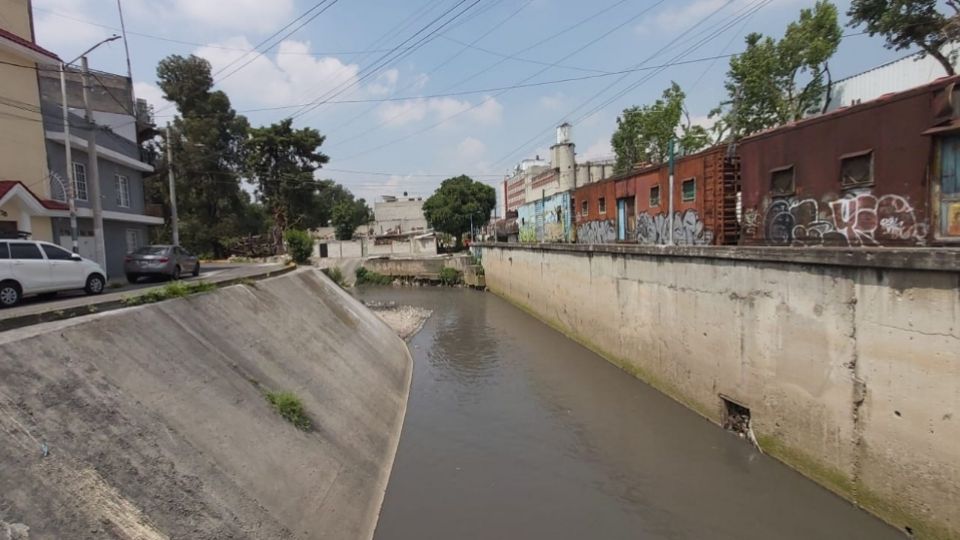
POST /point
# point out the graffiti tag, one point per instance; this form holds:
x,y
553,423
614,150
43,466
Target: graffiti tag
x,y
596,232
688,229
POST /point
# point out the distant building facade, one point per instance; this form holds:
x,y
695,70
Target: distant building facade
x,y
396,216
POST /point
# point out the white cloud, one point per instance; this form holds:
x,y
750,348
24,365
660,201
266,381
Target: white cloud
x,y
283,79
600,149
58,33
471,149
488,111
386,83
552,102
237,15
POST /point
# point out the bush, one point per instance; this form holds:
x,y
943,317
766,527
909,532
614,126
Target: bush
x,y
450,276
334,274
371,277
299,245
290,407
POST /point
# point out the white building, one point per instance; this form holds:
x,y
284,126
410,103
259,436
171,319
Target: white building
x,y
399,215
896,76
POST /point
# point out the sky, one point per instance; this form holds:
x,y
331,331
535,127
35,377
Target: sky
x,y
516,69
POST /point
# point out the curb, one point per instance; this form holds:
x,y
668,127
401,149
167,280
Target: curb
x,y
119,303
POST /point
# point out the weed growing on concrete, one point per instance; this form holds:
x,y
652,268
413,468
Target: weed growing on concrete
x,y
371,277
248,282
176,289
115,285
335,274
450,276
290,407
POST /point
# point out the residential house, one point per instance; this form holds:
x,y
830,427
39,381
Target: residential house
x,y
25,205
119,163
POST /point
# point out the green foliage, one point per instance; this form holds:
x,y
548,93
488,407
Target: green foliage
x,y
450,208
335,275
370,277
207,140
177,289
347,215
280,162
775,82
450,276
299,245
290,407
644,133
909,23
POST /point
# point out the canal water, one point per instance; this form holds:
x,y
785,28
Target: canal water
x,y
514,431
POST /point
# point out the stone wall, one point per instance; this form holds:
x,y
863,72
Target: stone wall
x,y
849,360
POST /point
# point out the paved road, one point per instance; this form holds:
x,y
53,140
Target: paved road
x,y
120,288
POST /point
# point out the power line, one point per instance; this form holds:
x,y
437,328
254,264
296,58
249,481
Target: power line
x,y
498,94
385,59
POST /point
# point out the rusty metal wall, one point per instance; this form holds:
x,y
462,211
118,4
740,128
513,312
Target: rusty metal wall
x,y
892,210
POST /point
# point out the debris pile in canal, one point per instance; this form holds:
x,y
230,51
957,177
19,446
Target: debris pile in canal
x,y
406,321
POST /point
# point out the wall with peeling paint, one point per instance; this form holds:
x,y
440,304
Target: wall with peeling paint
x,y
850,370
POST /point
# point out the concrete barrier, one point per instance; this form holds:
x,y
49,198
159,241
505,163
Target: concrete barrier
x,y
151,422
846,359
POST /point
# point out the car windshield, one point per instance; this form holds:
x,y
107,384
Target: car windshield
x,y
151,250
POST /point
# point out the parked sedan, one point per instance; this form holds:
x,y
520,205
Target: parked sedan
x,y
28,268
166,261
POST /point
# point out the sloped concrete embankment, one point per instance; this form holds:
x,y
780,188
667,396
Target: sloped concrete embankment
x,y
154,423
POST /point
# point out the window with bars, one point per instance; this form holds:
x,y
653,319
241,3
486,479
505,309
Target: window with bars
x,y
122,187
654,196
689,189
856,170
782,181
602,205
80,181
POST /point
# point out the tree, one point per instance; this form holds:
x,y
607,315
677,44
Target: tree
x,y
281,162
908,23
644,133
347,215
450,208
775,82
208,141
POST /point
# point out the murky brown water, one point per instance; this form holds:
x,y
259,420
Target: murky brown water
x,y
515,432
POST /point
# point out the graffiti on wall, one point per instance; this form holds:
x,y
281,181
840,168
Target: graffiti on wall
x,y
596,232
857,220
545,220
688,229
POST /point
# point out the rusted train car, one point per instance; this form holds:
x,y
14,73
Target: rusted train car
x,y
635,206
880,173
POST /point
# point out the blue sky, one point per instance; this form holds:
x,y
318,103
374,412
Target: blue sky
x,y
414,143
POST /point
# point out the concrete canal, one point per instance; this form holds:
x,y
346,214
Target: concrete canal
x,y
514,431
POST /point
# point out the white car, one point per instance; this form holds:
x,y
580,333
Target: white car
x,y
28,267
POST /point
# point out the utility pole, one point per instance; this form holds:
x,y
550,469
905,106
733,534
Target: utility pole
x,y
670,204
94,171
71,182
174,224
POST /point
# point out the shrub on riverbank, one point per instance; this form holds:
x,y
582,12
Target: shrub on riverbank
x,y
371,277
299,245
450,276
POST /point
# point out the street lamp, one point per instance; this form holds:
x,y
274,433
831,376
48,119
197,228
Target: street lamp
x,y
91,151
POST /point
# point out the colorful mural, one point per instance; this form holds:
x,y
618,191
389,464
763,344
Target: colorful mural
x,y
546,220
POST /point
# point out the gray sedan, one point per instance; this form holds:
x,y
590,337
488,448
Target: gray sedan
x,y
167,261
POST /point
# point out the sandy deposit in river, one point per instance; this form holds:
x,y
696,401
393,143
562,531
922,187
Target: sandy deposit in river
x,y
406,321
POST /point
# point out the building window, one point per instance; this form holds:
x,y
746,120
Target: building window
x,y
584,208
79,181
602,205
654,196
122,186
688,189
782,181
856,170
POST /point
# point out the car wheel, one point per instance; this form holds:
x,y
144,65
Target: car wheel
x,y
176,273
132,278
196,269
95,284
10,293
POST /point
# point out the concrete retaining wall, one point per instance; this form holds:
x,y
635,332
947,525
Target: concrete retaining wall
x,y
155,425
850,367
417,267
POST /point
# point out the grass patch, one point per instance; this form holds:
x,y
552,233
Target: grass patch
x,y
334,274
177,289
290,407
371,277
